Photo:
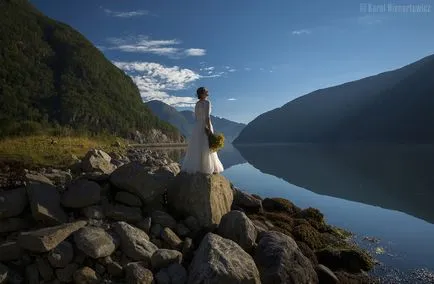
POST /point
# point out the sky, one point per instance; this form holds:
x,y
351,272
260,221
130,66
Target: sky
x,y
252,55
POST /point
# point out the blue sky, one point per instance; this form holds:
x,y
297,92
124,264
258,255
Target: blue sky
x,y
253,55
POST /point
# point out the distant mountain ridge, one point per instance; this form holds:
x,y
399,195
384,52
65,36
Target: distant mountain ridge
x,y
394,106
51,76
184,120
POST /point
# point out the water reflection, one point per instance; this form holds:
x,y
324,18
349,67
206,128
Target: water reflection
x,y
395,177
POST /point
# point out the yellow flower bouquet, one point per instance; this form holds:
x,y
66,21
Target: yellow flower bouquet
x,y
215,141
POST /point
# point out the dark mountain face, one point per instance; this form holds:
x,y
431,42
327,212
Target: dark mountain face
x,y
390,107
51,75
184,120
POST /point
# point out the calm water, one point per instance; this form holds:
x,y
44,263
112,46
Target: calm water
x,y
385,192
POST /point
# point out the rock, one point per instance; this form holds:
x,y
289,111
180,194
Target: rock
x,y
177,273
134,242
46,239
93,212
66,274
59,177
45,204
162,277
309,235
10,250
279,205
61,255
206,197
37,178
134,178
12,202
187,247
192,223
44,269
115,269
246,201
128,199
164,219
308,252
94,242
119,212
97,161
32,274
182,230
81,193
145,225
13,225
156,230
136,273
236,226
260,226
86,275
171,238
280,260
164,257
325,275
14,277
4,274
350,260
219,260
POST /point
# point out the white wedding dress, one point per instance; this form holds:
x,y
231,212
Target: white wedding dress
x,y
198,157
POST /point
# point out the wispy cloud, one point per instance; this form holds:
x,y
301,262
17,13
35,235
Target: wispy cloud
x,y
247,69
155,81
301,32
232,99
126,14
144,44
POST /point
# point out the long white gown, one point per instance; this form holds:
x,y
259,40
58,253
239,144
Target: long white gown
x,y
198,157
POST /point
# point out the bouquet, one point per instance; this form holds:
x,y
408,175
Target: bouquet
x,y
215,141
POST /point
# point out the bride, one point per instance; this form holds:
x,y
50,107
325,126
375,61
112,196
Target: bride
x,y
198,157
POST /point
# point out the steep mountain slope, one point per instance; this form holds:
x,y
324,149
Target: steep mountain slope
x,y
52,76
184,120
393,106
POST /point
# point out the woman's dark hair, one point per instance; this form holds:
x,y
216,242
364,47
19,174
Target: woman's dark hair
x,y
200,91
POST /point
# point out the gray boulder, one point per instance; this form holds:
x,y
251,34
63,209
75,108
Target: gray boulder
x,y
246,201
119,212
86,275
93,212
280,260
137,273
45,204
81,193
134,242
46,239
94,242
164,257
128,199
205,197
12,202
164,219
171,238
236,226
97,161
61,255
219,260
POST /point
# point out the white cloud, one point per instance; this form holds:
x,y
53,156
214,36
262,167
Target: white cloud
x,y
301,32
247,69
232,99
143,44
127,14
232,70
155,80
195,52
211,68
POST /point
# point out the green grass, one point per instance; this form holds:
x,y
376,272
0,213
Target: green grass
x,y
39,151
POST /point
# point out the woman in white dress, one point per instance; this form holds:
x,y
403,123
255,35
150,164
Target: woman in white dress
x,y
198,157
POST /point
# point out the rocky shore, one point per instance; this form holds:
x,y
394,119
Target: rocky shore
x,y
135,218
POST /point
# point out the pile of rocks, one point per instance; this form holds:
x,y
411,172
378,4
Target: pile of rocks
x,y
136,223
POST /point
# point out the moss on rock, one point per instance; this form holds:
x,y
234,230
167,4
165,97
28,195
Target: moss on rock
x,y
279,205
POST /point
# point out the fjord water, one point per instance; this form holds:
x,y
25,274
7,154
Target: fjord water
x,y
380,191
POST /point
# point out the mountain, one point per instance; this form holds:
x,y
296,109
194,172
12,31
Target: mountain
x,y
184,120
394,106
51,76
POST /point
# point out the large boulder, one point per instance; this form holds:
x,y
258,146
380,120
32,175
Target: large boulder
x,y
45,204
236,226
134,178
121,212
164,257
280,260
134,242
97,161
128,199
46,239
164,219
86,275
137,273
94,242
205,197
12,202
246,201
81,193
219,260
